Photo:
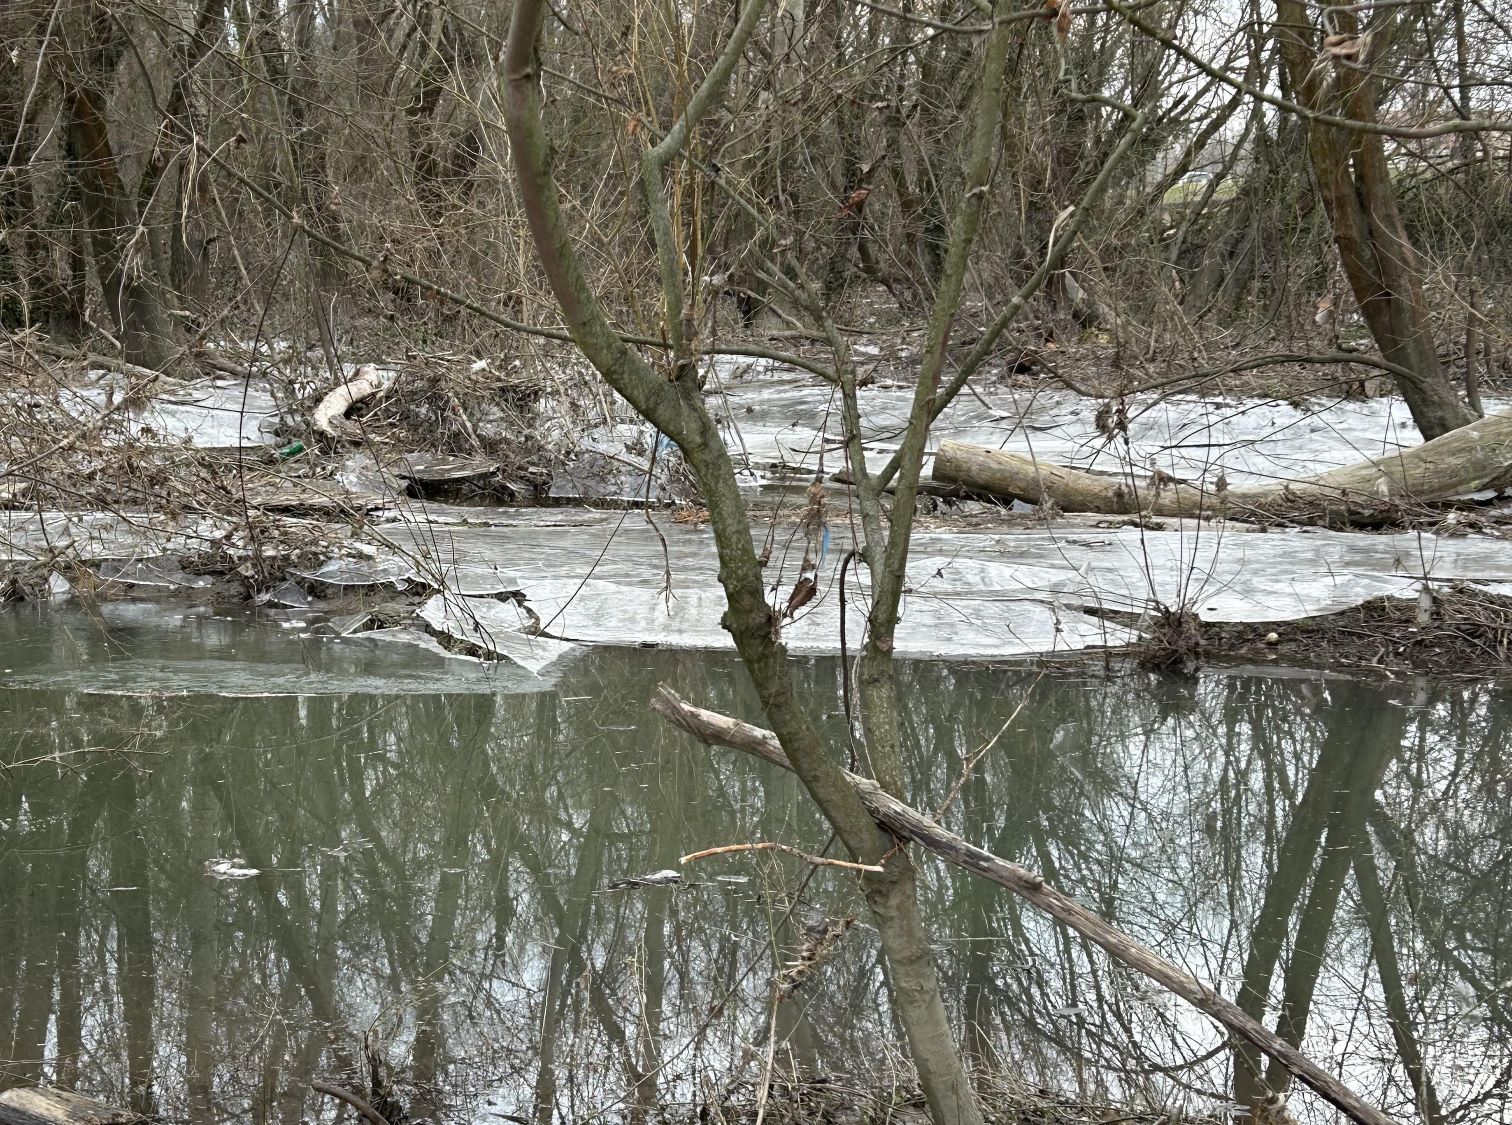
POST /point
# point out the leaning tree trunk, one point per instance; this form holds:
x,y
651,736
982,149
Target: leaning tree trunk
x,y
1354,182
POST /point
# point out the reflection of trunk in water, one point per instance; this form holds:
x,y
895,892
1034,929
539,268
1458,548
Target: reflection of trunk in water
x,y
10,915
796,1035
201,1002
81,832
1437,923
35,940
380,867
473,720
136,972
1346,823
237,808
1360,741
567,951
1383,952
980,940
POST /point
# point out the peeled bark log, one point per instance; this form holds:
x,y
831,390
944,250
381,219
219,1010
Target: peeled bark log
x,y
330,416
1470,459
910,824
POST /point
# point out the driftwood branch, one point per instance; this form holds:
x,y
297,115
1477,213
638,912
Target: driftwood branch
x,y
330,415
34,1105
788,849
1466,460
908,823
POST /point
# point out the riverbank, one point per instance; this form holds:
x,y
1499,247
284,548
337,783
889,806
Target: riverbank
x,y
474,508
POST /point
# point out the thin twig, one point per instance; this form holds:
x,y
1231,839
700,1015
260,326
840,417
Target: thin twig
x,y
768,846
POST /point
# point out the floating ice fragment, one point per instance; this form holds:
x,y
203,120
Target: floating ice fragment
x,y
229,869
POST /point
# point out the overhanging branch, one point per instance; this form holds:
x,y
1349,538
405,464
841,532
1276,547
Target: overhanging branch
x,y
908,823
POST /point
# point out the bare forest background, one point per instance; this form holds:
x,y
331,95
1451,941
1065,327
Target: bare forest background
x,y
335,173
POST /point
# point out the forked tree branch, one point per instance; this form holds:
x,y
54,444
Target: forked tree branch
x,y
910,824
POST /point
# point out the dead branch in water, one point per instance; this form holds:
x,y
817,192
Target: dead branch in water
x,y
907,823
330,1089
767,846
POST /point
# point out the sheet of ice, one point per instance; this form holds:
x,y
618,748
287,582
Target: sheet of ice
x,y
605,584
28,535
971,594
494,627
779,421
214,413
135,648
411,569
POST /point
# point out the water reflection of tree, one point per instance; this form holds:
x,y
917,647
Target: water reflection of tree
x,y
433,869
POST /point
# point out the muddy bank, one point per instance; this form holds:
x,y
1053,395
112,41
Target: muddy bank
x,y
1458,630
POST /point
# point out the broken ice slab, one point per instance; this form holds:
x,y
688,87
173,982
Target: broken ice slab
x,y
144,574
491,629
363,473
209,414
287,595
330,498
441,468
101,535
137,648
349,576
970,594
618,463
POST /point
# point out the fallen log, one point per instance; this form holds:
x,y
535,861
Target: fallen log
x,y
910,824
330,415
1471,459
34,1105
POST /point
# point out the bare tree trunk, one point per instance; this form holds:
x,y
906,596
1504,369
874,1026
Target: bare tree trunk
x,y
135,296
39,287
1354,182
309,192
676,407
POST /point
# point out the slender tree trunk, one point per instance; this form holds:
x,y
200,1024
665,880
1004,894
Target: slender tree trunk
x,y
676,408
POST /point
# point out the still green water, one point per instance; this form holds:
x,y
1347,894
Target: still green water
x,y
433,842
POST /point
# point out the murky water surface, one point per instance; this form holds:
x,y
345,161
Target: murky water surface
x,y
228,852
